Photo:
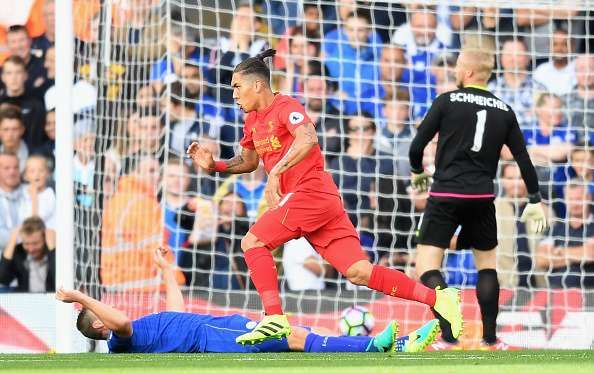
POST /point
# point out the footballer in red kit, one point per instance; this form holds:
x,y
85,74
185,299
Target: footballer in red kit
x,y
303,201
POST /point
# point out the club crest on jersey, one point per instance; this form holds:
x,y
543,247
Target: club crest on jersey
x,y
296,117
275,142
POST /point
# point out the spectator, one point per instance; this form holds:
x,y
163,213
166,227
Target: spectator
x,y
538,24
191,77
351,55
145,135
355,171
300,51
40,199
580,166
303,266
443,69
50,66
558,74
580,103
230,271
14,76
281,14
516,251
336,15
515,86
147,96
33,261
241,44
12,196
480,21
19,44
11,133
48,38
423,39
132,230
423,35
184,125
249,187
326,118
311,27
183,48
189,223
568,254
549,139
84,161
396,132
48,150
393,63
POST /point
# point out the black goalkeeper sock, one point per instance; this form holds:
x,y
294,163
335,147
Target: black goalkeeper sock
x,y
433,279
487,294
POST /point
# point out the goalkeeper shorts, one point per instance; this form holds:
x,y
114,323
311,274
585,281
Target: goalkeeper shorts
x,y
444,215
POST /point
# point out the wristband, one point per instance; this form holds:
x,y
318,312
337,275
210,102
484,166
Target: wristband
x,y
219,166
417,172
534,197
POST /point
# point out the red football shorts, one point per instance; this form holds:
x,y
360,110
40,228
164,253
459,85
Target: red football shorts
x,y
321,219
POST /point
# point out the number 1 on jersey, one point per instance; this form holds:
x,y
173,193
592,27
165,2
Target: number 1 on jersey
x,y
481,118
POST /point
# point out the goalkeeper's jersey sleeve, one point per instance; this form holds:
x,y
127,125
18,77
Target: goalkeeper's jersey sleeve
x,y
472,126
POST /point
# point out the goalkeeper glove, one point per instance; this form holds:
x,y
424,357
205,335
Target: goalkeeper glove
x,y
534,217
420,182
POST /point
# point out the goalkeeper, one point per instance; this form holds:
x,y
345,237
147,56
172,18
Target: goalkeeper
x,y
178,331
473,126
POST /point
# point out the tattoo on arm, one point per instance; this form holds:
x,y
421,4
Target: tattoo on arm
x,y
305,139
241,163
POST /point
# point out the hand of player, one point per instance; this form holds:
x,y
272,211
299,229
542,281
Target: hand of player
x,y
201,156
272,191
67,296
420,182
159,258
534,217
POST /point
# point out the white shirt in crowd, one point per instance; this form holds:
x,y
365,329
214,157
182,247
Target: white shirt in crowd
x,y
299,277
557,81
46,206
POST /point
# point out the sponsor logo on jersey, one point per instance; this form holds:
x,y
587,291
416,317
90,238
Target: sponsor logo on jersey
x,y
267,144
296,117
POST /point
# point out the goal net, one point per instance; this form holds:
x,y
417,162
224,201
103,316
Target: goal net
x,y
367,73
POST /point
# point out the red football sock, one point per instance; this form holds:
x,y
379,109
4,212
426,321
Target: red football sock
x,y
396,284
265,277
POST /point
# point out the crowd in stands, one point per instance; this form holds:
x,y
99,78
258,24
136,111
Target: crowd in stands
x,y
366,72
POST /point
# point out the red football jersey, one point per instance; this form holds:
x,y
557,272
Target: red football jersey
x,y
270,133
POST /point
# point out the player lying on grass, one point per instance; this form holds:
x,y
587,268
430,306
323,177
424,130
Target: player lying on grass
x,y
179,331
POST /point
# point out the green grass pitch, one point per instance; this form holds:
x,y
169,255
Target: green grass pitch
x,y
501,361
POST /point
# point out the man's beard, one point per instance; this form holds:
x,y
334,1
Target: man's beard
x,y
315,104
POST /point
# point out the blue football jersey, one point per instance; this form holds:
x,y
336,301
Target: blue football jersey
x,y
189,332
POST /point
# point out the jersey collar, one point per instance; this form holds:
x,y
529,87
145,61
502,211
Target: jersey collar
x,y
481,87
267,109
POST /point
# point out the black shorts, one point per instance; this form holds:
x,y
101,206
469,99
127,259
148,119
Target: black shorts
x,y
443,216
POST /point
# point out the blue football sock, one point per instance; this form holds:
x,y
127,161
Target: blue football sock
x,y
318,343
